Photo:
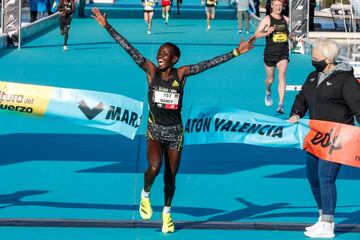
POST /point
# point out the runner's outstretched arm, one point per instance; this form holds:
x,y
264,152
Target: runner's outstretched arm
x,y
139,59
243,47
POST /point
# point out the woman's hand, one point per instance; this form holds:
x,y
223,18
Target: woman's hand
x,y
294,118
101,19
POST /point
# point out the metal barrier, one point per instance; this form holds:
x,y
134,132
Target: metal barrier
x,y
43,25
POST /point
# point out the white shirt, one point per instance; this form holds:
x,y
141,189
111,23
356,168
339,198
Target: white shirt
x,y
149,4
243,5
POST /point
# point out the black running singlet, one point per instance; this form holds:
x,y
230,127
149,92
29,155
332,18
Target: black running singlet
x,y
165,99
66,7
277,41
210,3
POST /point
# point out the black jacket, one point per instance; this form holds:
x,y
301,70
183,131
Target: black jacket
x,y
336,99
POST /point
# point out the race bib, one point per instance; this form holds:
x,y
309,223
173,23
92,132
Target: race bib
x,y
280,37
149,4
166,100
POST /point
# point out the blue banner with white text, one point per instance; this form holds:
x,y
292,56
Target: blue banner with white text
x,y
207,124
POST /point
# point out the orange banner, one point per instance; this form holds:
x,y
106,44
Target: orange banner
x,y
334,142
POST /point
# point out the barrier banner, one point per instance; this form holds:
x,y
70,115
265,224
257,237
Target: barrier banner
x,y
299,17
329,141
89,108
334,142
10,19
299,23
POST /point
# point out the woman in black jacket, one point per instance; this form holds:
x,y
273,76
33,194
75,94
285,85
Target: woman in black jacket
x,y
331,93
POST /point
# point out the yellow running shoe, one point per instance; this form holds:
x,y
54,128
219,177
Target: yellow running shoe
x,y
168,224
145,208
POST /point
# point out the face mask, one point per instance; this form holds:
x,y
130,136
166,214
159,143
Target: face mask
x,y
319,65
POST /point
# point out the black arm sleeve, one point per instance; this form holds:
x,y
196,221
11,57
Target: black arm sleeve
x,y
205,65
133,52
300,105
351,95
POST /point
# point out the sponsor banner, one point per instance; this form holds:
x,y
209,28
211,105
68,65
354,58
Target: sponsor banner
x,y
89,108
298,23
334,142
11,19
299,12
329,141
24,98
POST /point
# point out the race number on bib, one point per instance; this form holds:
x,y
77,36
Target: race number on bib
x,y
280,37
166,100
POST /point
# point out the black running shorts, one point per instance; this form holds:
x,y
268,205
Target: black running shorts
x,y
172,137
271,60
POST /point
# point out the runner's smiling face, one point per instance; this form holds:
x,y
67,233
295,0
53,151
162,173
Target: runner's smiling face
x,y
276,6
166,57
